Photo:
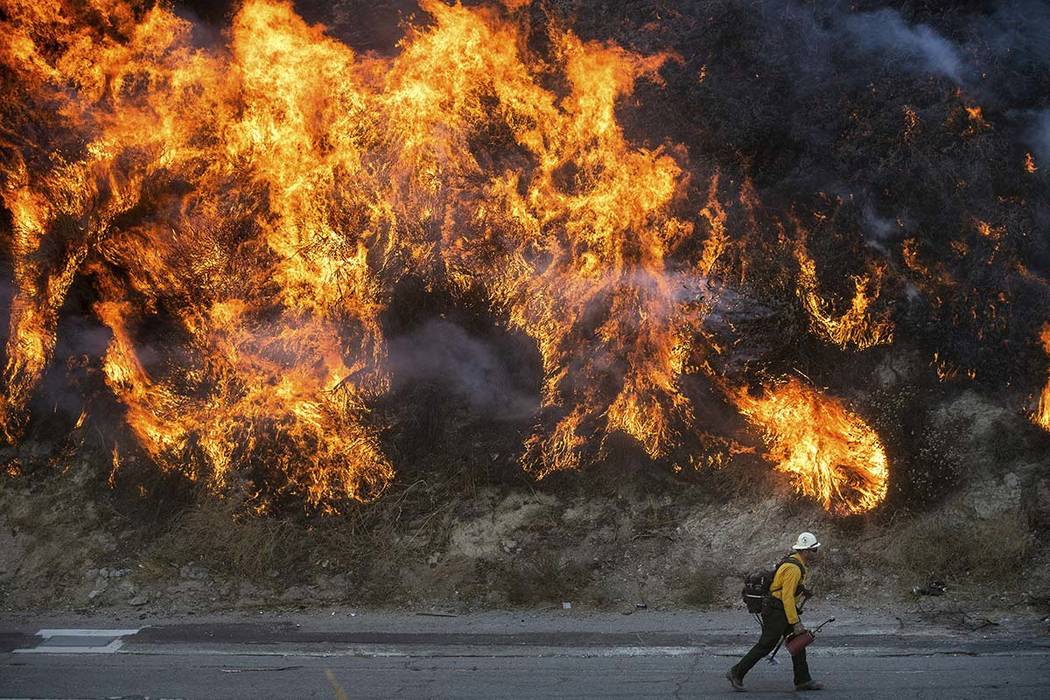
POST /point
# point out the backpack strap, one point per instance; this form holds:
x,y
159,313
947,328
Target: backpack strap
x,y
789,560
771,599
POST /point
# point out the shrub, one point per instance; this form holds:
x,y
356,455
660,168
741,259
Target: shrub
x,y
544,577
947,546
701,590
239,545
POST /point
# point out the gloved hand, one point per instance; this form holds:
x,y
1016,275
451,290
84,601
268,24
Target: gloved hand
x,y
798,627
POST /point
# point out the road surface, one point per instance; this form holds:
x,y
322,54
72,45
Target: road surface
x,y
556,654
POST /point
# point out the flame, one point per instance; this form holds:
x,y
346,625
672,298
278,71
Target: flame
x,y
259,201
116,464
977,123
1029,163
1042,411
831,454
857,326
912,123
989,231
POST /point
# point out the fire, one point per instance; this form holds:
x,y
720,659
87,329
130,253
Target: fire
x,y
831,454
989,231
912,123
1029,164
244,213
1042,411
857,326
977,123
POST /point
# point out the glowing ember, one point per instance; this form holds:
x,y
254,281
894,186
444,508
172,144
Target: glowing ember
x,y
989,231
912,123
831,454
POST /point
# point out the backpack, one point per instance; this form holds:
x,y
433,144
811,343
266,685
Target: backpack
x,y
756,586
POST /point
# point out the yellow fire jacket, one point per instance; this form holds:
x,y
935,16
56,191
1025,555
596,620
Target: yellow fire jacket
x,y
786,581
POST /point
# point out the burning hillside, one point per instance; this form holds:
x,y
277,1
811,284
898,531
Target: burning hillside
x,y
238,208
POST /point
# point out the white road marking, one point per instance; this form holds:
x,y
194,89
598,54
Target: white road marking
x,y
86,633
515,651
68,641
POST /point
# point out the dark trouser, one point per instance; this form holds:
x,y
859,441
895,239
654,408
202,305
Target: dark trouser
x,y
774,626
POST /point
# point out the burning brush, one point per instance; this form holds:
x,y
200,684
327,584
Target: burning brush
x,y
243,213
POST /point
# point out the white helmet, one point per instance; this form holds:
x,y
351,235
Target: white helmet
x,y
807,540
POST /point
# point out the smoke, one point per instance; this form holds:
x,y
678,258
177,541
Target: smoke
x,y
81,341
1040,135
879,229
469,366
918,47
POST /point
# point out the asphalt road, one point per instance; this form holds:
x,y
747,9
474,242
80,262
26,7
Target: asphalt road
x,y
370,655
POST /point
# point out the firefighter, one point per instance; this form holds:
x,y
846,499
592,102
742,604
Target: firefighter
x,y
780,617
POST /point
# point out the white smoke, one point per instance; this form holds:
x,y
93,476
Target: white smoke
x,y
467,364
919,47
1039,135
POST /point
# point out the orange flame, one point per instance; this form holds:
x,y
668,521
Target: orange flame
x,y
857,326
281,186
912,123
1042,411
830,452
989,231
977,123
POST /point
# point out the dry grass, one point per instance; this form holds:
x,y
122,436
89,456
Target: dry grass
x,y
701,590
544,577
838,570
653,516
53,535
370,544
951,547
225,541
